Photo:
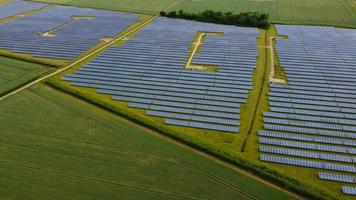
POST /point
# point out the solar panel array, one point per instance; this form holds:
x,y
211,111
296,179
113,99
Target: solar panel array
x,y
16,7
312,119
24,35
148,72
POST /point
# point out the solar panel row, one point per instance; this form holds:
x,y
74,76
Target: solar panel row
x,y
337,177
307,138
310,146
308,163
307,154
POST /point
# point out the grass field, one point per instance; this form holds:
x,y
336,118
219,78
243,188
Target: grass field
x,y
68,149
316,12
146,6
15,73
333,12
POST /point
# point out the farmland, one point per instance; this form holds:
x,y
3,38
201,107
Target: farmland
x,y
81,146
317,12
15,73
331,12
146,7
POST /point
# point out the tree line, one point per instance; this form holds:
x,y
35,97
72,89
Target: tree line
x,y
249,19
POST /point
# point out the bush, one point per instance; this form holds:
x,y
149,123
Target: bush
x,y
163,14
249,19
172,14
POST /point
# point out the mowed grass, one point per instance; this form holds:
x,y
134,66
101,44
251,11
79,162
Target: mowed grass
x,y
15,73
331,12
141,6
54,146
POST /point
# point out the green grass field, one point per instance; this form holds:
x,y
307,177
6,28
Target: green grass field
x,y
68,149
333,12
140,6
316,12
15,73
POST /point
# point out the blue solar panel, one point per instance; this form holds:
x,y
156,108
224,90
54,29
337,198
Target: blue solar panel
x,y
24,35
16,7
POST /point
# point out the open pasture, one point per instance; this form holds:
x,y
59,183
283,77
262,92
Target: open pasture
x,y
66,145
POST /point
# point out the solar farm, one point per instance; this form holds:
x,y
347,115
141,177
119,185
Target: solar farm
x,y
312,118
156,81
63,34
111,100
